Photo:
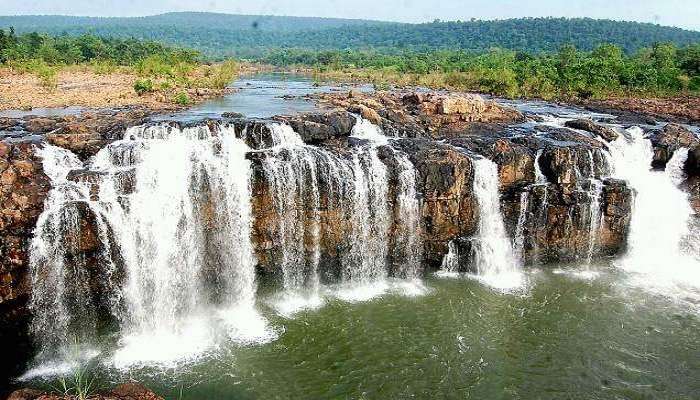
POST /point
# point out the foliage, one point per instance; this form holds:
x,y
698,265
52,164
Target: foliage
x,y
221,35
66,50
40,69
606,70
143,86
182,98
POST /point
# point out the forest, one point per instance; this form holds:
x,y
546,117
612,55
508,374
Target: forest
x,y
248,36
662,69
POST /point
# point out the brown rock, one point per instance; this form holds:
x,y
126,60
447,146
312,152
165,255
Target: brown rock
x,y
668,140
133,391
366,113
588,125
25,394
467,104
40,125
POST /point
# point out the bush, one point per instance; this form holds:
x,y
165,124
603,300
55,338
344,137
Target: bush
x,y
103,67
182,98
40,69
143,86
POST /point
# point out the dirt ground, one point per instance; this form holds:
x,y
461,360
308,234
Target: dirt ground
x,y
75,88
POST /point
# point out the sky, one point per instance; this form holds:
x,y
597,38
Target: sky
x,y
681,13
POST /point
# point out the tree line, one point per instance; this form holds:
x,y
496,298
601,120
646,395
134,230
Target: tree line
x,y
65,49
222,35
661,69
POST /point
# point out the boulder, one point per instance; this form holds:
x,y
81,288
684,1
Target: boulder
x,y
669,139
588,125
133,391
366,113
25,394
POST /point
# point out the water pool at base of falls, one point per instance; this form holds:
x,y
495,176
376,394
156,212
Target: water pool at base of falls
x,y
566,336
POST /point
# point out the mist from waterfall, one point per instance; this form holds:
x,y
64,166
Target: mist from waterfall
x,y
658,257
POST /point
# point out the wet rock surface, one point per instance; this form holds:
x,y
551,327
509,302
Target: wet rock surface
x,y
669,139
588,125
23,188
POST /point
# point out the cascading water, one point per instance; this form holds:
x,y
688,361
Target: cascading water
x,y
493,253
595,215
365,265
519,237
656,256
181,234
62,308
450,262
410,246
294,184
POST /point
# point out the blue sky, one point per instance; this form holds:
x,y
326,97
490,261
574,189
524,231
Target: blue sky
x,y
683,13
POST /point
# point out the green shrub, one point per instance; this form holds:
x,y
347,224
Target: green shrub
x,y
143,86
40,69
103,67
182,98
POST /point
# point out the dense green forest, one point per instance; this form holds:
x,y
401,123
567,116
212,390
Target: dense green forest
x,y
662,69
221,35
65,49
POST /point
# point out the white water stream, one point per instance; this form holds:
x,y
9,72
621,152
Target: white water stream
x,y
658,257
494,260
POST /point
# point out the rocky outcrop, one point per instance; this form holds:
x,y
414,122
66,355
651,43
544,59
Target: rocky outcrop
x,y
692,170
23,188
84,135
126,391
669,139
588,125
410,113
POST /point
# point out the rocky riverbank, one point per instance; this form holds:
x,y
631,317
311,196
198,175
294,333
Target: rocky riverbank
x,y
126,391
556,200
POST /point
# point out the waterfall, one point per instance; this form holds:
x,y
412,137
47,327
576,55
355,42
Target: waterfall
x,y
62,309
291,172
450,262
540,178
493,253
595,191
656,257
365,265
181,234
519,237
408,220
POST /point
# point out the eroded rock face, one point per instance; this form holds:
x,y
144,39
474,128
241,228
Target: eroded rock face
x,y
23,188
668,140
411,113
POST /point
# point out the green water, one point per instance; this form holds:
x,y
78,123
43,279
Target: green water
x,y
562,338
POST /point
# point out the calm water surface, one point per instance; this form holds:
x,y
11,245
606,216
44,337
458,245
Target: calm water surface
x,y
564,337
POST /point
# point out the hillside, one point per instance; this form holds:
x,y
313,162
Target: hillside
x,y
249,36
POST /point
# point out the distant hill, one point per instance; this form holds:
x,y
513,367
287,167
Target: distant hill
x,y
248,35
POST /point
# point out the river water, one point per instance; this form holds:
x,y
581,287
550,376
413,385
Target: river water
x,y
607,330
